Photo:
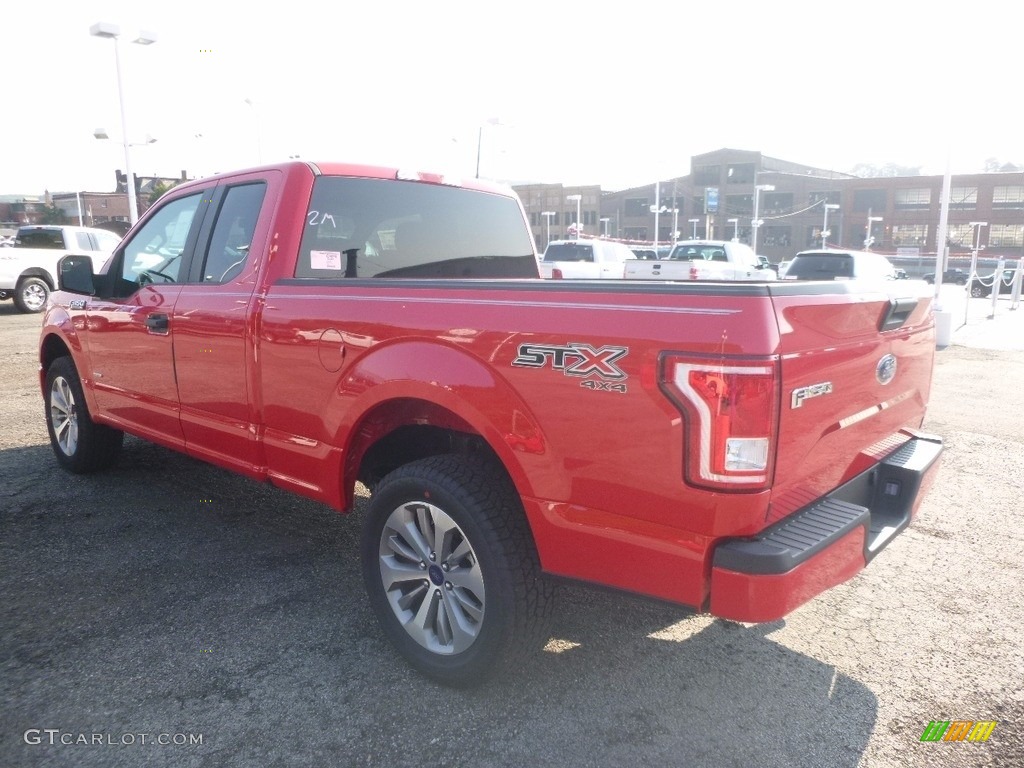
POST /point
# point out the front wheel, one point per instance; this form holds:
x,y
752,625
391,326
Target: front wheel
x,y
30,294
978,291
81,445
451,569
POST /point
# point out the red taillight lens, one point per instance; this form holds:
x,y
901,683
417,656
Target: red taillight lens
x,y
731,410
556,273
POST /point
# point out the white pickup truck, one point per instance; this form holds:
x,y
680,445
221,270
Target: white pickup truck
x,y
704,260
28,269
585,259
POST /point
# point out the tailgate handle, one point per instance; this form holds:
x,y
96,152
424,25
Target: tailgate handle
x,y
897,314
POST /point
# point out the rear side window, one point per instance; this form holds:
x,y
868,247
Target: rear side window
x,y
84,242
388,228
233,231
821,266
39,238
569,252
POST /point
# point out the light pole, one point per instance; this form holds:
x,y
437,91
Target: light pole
x,y
756,222
868,239
605,220
694,222
735,229
480,139
547,215
675,225
579,202
112,31
824,225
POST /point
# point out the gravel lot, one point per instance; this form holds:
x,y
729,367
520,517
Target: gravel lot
x,y
167,599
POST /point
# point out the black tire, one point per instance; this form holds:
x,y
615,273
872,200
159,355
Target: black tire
x,y
978,291
30,294
81,445
500,601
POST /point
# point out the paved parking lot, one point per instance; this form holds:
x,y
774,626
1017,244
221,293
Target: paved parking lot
x,y
168,613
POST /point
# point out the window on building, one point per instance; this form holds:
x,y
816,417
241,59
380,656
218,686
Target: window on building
x,y
706,174
913,198
909,234
740,173
963,197
534,219
775,236
869,199
1006,236
815,198
634,233
960,235
1008,197
776,202
636,206
739,205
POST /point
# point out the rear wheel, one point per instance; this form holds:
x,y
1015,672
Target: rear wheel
x,y
978,290
81,445
30,294
451,570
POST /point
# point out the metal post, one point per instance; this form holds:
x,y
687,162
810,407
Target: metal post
x,y
657,209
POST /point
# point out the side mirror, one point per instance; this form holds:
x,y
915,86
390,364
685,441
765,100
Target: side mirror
x,y
74,275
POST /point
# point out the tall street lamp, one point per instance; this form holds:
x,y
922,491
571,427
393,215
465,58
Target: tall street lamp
x,y
480,139
579,203
756,222
112,31
694,222
868,239
547,215
735,229
824,225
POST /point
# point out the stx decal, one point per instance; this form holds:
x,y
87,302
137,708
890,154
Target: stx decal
x,y
574,359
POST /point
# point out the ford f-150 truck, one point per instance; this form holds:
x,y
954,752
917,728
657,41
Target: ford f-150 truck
x,y
704,260
28,270
733,447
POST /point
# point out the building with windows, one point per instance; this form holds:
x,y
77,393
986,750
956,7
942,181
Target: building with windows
x,y
794,203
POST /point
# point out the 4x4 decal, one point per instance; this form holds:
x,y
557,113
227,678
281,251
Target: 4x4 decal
x,y
576,359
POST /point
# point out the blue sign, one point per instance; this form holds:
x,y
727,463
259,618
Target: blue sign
x,y
711,200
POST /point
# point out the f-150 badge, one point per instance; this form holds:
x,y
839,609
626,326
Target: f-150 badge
x,y
580,360
806,393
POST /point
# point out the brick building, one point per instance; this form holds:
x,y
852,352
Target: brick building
x,y
717,200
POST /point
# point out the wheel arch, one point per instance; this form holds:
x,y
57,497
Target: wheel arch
x,y
41,273
456,404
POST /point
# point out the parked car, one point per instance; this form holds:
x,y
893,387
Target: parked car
x,y
982,286
955,276
833,264
585,259
704,260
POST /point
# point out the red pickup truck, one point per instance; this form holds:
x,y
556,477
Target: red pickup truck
x,y
734,447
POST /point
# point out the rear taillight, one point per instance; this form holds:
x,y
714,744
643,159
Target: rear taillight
x,y
556,273
730,407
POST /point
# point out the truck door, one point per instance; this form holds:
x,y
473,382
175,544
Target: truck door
x,y
212,325
129,333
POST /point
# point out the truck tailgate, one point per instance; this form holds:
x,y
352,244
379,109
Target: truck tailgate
x,y
856,373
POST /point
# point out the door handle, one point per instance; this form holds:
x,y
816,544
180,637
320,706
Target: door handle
x,y
157,322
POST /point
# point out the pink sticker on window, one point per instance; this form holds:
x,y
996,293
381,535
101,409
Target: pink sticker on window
x,y
325,259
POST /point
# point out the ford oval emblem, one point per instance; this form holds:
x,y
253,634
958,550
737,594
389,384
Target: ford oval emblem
x,y
885,371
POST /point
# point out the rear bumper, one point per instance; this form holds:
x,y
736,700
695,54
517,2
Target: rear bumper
x,y
826,543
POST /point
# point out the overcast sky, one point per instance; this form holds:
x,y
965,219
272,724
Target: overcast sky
x,y
616,94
